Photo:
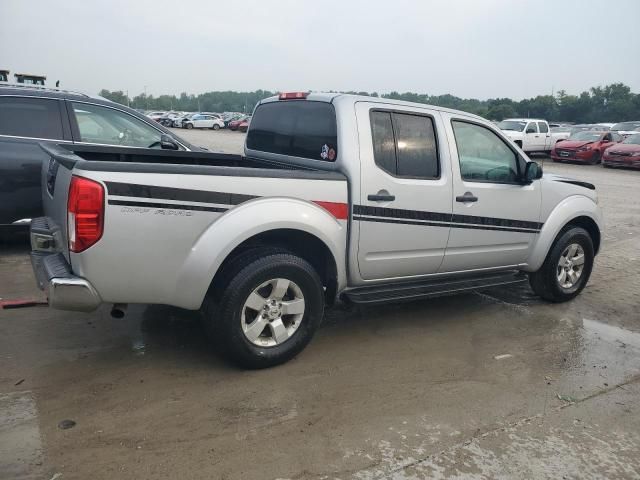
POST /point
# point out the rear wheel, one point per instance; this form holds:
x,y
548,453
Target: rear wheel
x,y
216,126
566,270
269,308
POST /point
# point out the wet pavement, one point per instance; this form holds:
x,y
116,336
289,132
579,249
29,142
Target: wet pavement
x,y
492,384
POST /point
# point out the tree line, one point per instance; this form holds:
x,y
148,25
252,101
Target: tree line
x,y
611,103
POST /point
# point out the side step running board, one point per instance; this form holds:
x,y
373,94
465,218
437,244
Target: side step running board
x,y
431,288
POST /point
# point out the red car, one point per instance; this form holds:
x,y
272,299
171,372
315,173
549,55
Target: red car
x,y
236,123
625,154
586,146
244,125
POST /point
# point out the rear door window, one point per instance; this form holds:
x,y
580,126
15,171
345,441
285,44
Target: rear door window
x,y
544,128
404,145
297,128
30,117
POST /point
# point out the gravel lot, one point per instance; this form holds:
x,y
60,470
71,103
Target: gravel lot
x,y
492,384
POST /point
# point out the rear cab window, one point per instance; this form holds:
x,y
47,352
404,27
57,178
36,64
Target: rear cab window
x,y
295,128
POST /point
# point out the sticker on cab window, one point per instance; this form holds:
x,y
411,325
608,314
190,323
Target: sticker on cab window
x,y
324,154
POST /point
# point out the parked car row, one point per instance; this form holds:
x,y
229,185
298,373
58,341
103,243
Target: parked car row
x,y
213,121
608,147
584,143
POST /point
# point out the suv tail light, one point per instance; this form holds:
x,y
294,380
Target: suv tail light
x,y
85,213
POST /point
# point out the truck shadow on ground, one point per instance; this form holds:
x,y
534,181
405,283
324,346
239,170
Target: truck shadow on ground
x,y
171,329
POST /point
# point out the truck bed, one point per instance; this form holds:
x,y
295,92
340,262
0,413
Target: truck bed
x,y
170,218
171,157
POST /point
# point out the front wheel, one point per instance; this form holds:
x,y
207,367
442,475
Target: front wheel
x,y
597,156
189,126
567,268
269,309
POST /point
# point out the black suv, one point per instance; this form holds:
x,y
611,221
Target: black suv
x,y
30,115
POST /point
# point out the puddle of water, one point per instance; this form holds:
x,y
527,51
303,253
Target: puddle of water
x,y
612,334
20,441
599,356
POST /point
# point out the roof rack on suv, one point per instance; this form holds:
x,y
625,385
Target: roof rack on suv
x,y
41,87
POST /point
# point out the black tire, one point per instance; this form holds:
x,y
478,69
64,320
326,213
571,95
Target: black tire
x,y
223,306
597,157
545,281
189,126
216,126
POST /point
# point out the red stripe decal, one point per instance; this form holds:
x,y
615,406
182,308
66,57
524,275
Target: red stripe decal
x,y
338,210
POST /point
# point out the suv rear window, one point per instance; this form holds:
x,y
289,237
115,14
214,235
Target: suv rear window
x,y
30,117
297,128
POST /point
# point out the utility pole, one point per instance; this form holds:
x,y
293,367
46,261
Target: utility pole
x,y
128,99
145,97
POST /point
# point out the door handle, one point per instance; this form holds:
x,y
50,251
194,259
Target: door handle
x,y
381,196
467,197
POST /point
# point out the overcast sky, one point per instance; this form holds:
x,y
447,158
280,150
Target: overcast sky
x,y
469,48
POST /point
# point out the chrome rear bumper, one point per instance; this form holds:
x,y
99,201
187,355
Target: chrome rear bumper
x,y
65,290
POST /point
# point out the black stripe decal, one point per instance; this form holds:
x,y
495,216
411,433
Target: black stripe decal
x,y
363,213
433,224
496,222
170,193
172,206
466,221
401,213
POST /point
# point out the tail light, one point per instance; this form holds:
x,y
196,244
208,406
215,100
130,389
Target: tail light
x,y
85,213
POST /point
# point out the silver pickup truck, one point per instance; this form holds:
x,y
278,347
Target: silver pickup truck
x,y
361,199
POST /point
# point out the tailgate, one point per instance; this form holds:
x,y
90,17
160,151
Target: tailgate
x,y
56,177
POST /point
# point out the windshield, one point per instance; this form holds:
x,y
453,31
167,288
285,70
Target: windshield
x,y
633,139
626,126
586,136
512,125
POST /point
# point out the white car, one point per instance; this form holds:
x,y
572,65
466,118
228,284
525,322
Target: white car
x,y
626,128
530,134
203,121
156,115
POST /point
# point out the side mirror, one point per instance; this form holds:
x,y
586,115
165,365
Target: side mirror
x,y
167,143
533,171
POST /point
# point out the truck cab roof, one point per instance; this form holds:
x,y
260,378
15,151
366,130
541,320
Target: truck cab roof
x,y
343,99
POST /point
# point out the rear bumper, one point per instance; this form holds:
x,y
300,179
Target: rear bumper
x,y
65,291
629,162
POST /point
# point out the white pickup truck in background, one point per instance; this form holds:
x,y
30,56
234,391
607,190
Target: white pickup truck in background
x,y
367,200
531,135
